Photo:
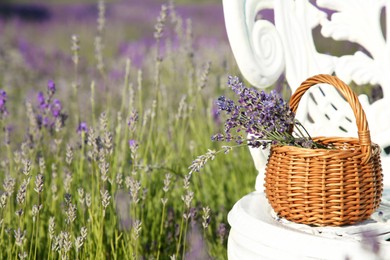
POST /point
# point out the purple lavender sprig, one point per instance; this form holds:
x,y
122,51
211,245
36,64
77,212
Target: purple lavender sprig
x,y
50,110
266,118
82,128
3,101
51,88
257,120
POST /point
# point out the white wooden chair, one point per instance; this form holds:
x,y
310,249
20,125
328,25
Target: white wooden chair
x,y
264,51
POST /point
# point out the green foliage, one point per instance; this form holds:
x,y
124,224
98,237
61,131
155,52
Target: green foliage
x,y
101,196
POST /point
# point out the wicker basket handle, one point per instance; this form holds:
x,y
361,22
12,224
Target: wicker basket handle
x,y
352,99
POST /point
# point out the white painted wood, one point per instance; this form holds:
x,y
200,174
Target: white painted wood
x,y
256,234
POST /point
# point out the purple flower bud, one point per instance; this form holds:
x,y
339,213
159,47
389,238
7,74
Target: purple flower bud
x,y
82,128
215,114
267,116
42,101
51,86
193,213
132,143
3,94
222,231
46,121
235,84
39,120
218,137
56,108
3,100
225,104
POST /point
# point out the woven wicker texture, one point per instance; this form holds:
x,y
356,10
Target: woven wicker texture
x,y
326,187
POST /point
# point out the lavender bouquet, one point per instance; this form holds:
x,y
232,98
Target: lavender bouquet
x,y
257,120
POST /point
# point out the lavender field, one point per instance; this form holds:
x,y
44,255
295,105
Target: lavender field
x,y
103,107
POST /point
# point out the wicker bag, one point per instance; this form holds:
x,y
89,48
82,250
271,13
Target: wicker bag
x,y
326,187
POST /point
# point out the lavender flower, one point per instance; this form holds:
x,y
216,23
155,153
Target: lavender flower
x,y
105,198
50,113
56,108
133,144
3,95
222,232
51,87
39,181
22,255
3,100
257,119
3,200
266,117
201,161
197,245
83,127
215,114
19,237
42,101
51,228
133,119
206,217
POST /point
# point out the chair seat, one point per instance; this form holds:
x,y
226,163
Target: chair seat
x,y
257,233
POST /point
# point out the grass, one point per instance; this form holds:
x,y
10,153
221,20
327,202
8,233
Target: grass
x,y
119,189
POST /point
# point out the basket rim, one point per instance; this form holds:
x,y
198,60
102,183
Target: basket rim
x,y
351,146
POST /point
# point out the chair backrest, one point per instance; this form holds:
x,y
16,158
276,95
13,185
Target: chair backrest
x,y
284,44
271,39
